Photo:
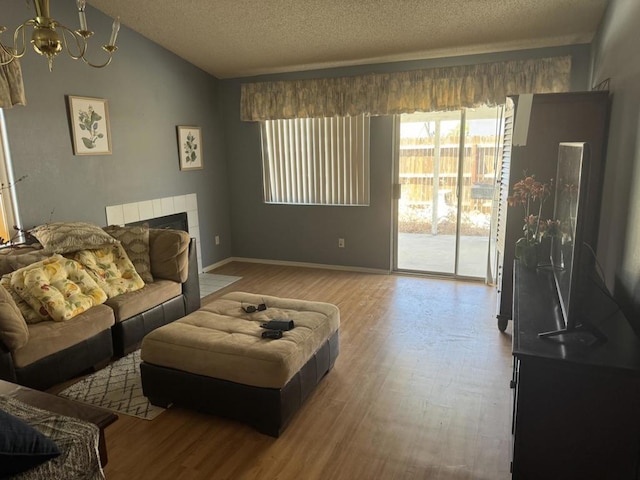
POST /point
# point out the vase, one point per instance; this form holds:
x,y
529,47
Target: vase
x,y
528,253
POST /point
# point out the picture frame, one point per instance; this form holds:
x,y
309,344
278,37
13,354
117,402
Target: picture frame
x,y
190,147
90,129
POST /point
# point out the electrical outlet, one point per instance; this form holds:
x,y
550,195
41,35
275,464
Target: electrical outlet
x,y
217,238
341,243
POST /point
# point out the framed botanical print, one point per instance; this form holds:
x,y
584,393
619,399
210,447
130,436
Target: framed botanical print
x,y
190,148
90,129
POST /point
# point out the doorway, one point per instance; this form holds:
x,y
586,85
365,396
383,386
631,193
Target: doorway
x,y
445,167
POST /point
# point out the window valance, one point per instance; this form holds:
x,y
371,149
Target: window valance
x,y
428,90
11,86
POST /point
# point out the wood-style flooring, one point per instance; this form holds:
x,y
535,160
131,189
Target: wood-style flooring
x,y
420,390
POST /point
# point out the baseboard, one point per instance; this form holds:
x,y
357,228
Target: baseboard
x,y
217,264
298,264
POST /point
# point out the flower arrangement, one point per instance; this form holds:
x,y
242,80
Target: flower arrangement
x,y
532,194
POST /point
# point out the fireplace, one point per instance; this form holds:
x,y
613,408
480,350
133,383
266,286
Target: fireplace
x,y
179,212
177,221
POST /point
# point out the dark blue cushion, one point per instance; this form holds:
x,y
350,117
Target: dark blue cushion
x,y
21,446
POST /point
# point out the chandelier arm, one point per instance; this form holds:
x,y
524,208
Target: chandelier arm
x,y
81,43
96,65
15,52
21,30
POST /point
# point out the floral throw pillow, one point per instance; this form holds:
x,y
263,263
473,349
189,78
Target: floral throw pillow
x,y
60,285
111,268
30,315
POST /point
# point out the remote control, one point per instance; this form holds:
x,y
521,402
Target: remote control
x,y
272,334
278,324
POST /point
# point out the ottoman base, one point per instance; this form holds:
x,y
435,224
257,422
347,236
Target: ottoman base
x,y
268,410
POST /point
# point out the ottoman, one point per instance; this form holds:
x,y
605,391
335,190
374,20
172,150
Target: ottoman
x,y
215,359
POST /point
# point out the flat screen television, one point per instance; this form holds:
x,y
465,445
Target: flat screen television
x,y
570,260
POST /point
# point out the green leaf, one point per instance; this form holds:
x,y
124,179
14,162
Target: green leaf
x,y
82,127
87,142
100,135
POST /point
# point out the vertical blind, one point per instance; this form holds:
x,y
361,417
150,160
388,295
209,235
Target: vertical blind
x,y
316,161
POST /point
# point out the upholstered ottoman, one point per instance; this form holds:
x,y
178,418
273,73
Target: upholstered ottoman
x,y
215,359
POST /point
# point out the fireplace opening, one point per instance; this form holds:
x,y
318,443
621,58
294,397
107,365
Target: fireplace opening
x,y
177,221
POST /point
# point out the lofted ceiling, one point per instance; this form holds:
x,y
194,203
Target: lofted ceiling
x,y
238,38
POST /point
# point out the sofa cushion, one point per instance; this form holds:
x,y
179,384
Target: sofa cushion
x,y
130,304
13,328
169,252
30,315
111,268
17,257
60,285
22,447
135,240
47,338
66,237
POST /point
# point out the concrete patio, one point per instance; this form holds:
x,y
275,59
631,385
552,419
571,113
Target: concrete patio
x,y
436,254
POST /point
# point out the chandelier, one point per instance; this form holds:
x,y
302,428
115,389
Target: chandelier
x,y
50,37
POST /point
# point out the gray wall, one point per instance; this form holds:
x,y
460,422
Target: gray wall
x,y
616,57
149,91
310,233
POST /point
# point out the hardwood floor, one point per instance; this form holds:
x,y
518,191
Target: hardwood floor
x,y
420,390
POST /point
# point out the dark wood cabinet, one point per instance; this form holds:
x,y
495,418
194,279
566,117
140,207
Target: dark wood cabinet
x,y
554,118
576,405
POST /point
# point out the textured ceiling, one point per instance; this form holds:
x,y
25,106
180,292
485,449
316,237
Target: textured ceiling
x,y
235,38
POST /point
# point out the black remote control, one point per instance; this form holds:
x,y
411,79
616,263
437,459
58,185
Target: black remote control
x,y
272,334
278,325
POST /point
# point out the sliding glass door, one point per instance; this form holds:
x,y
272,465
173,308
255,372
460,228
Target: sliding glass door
x,y
445,168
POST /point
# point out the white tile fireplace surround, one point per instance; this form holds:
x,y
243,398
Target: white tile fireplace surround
x,y
159,207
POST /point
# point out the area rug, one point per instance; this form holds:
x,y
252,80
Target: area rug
x,y
211,282
117,387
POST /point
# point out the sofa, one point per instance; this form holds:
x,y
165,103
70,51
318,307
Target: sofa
x,y
99,292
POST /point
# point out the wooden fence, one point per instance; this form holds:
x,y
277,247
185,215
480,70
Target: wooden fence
x,y
421,164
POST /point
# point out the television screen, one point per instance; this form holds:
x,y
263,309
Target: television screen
x,y
567,252
572,160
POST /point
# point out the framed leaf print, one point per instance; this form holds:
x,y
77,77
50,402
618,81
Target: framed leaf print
x,y
89,125
190,148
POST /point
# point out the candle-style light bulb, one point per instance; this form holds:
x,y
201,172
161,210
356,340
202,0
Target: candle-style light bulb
x,y
83,19
114,32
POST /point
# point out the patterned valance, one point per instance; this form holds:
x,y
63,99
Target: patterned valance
x,y
428,90
11,86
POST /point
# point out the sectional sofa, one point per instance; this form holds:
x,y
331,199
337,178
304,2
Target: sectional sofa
x,y
68,335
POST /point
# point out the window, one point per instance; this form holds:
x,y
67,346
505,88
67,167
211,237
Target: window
x,y
316,161
8,203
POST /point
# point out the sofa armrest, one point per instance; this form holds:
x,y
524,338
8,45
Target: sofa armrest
x,y
169,254
191,287
7,369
